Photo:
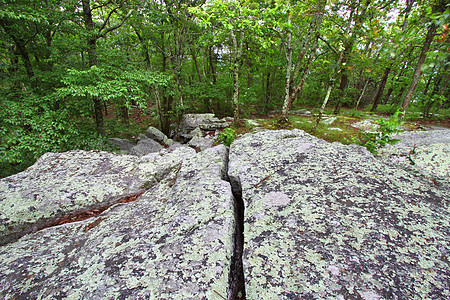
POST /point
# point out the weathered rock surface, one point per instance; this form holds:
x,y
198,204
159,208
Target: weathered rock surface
x,y
123,144
426,153
174,242
214,124
328,121
61,184
366,125
155,134
195,125
145,146
201,143
322,221
328,221
191,121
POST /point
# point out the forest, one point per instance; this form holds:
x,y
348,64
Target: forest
x,y
75,72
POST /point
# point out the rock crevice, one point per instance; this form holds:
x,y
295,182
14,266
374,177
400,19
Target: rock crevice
x,y
236,278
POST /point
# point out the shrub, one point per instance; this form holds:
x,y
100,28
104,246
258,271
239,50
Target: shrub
x,y
227,136
376,140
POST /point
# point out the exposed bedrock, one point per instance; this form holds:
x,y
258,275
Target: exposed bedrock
x,y
174,242
328,221
424,153
281,215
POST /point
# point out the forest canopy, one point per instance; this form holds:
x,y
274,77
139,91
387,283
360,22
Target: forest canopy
x,y
74,72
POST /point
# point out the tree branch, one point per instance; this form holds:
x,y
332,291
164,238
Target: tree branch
x,y
108,17
109,29
328,44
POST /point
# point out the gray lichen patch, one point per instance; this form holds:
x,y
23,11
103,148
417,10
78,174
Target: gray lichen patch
x,y
328,221
425,153
61,184
174,242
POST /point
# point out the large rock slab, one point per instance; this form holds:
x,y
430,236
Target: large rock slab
x,y
62,184
426,153
174,242
328,221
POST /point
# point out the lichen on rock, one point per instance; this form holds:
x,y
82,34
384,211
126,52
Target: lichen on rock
x,y
328,221
174,242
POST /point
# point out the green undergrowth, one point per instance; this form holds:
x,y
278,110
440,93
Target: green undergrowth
x,y
339,131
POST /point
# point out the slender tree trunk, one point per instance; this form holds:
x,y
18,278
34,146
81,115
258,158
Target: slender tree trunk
x,y
194,58
430,79
287,83
327,96
377,98
270,78
426,46
311,42
387,96
362,93
92,60
236,63
211,65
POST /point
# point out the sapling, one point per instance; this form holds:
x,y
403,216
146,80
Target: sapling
x,y
227,136
378,139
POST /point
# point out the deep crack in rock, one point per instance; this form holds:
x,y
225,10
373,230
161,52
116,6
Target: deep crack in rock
x,y
75,216
236,277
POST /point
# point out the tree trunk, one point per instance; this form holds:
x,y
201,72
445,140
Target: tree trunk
x,y
287,83
194,58
387,96
211,65
311,42
92,60
376,100
327,96
236,63
362,93
20,46
426,46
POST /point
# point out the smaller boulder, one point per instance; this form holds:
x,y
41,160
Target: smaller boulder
x,y
145,147
251,123
123,144
155,134
328,121
366,125
142,137
201,143
213,124
197,132
158,136
191,121
301,112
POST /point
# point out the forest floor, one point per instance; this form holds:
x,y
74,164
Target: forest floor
x,y
340,130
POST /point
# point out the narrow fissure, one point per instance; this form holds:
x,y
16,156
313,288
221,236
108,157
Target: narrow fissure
x,y
74,216
236,287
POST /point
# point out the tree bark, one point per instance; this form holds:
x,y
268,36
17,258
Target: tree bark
x,y
311,42
92,61
236,63
377,98
426,46
287,83
20,46
362,93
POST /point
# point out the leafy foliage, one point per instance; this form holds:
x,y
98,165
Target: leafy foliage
x,y
378,139
59,75
227,136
